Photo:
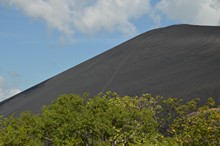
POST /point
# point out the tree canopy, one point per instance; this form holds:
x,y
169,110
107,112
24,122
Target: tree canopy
x,y
111,119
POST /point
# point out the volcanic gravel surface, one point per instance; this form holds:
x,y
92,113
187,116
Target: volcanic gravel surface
x,y
180,61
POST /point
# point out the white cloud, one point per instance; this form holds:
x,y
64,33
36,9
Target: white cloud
x,y
112,15
70,16
202,12
6,92
94,16
1,81
215,4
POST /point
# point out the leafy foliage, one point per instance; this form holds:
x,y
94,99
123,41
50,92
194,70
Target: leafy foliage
x,y
109,119
201,127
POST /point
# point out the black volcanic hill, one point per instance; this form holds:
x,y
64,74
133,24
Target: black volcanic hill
x,y
178,61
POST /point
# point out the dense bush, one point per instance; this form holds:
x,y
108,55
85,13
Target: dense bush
x,y
109,119
198,128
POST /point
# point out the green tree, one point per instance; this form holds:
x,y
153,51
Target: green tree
x,y
199,126
25,130
111,119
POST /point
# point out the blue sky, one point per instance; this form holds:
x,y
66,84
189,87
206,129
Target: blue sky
x,y
41,38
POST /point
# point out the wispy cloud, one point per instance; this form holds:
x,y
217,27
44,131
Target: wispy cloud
x,y
6,92
93,16
202,12
83,16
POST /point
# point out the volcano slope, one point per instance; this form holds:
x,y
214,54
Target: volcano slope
x,y
180,61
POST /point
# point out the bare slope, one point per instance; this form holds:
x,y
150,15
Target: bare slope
x,y
178,61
